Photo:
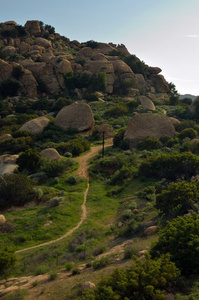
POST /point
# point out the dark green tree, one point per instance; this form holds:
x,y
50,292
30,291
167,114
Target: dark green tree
x,y
29,160
180,238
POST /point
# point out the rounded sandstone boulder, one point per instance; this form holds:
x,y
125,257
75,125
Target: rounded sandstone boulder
x,y
35,126
50,153
77,115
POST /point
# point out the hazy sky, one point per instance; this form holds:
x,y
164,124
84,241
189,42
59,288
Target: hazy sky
x,y
161,33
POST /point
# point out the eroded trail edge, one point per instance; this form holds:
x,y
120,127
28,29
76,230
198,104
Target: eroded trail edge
x,y
81,172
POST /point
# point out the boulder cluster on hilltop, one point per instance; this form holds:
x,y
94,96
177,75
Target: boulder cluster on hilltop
x,y
35,60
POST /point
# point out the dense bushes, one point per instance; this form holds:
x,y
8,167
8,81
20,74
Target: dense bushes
x,y
17,72
150,143
117,110
171,166
146,280
56,167
179,197
180,238
14,146
8,88
29,160
136,65
85,80
7,261
15,189
75,146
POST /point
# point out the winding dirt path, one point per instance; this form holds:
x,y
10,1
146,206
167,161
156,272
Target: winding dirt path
x,y
81,172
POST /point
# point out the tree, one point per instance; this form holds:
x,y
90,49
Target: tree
x,y
179,196
180,238
174,96
29,160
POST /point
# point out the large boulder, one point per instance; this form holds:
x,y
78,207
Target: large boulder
x,y
107,130
50,153
160,84
28,84
6,70
33,27
35,126
146,103
77,115
143,125
43,42
176,123
2,219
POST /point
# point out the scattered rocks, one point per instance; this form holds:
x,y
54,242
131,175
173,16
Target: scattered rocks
x,y
135,211
5,136
176,123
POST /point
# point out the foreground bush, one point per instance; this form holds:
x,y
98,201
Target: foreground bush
x,y
180,238
29,160
144,281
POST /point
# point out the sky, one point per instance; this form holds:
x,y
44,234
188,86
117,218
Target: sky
x,y
161,33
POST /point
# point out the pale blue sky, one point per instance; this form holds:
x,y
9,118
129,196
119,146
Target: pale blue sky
x,y
161,33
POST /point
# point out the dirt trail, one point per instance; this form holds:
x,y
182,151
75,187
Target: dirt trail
x,y
81,172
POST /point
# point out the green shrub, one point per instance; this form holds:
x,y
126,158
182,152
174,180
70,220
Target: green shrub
x,y
53,276
136,65
92,44
149,279
71,180
180,238
17,72
171,166
119,141
61,102
187,124
53,168
92,97
29,160
56,201
7,261
150,143
101,263
180,196
115,111
14,146
69,265
42,270
41,104
125,85
15,189
188,132
8,88
129,252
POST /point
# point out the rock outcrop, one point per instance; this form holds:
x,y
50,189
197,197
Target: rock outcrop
x,y
35,126
143,125
48,56
50,153
77,115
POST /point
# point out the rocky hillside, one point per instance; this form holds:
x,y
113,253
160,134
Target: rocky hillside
x,y
34,60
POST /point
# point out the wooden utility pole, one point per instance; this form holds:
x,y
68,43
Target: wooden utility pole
x,y
103,145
